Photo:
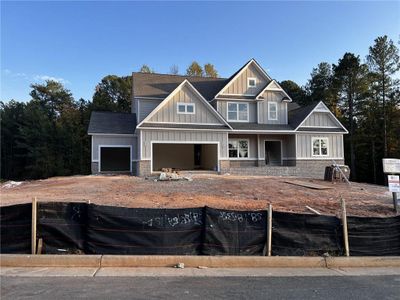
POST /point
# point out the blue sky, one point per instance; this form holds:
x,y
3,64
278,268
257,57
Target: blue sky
x,y
78,43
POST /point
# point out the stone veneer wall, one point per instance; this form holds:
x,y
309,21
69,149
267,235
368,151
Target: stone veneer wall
x,y
303,168
95,167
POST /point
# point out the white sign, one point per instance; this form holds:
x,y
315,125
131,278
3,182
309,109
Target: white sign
x,y
391,165
394,183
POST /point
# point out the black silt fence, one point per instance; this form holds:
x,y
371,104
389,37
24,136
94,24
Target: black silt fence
x,y
303,235
118,230
229,232
62,227
15,228
374,236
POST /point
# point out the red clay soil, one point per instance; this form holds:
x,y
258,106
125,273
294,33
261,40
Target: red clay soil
x,y
218,191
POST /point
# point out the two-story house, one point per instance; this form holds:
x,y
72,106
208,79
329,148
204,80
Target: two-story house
x,y
243,124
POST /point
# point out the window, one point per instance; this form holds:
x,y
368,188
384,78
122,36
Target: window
x,y
272,111
251,82
185,108
238,148
319,146
238,112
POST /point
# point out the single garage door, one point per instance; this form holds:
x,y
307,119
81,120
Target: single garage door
x,y
115,159
185,156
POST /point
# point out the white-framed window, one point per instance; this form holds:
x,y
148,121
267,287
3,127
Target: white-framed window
x,y
238,112
238,148
251,82
272,111
185,108
319,146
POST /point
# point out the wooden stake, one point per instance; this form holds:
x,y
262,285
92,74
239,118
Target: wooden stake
x,y
344,224
39,246
34,219
269,234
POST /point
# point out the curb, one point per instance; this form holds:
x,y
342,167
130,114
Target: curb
x,y
21,260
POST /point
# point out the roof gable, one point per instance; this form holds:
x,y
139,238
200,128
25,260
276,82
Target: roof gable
x,y
274,86
185,93
237,84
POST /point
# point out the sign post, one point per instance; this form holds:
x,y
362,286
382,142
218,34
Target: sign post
x,y
392,166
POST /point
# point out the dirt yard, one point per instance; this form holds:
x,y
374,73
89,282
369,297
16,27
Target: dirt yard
x,y
219,191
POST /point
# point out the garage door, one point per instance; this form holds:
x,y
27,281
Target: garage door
x,y
115,159
185,156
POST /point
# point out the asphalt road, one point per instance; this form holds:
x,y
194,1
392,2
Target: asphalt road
x,y
333,287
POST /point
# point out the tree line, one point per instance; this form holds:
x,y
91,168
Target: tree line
x,y
47,136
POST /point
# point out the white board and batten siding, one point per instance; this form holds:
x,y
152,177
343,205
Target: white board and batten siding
x,y
239,85
168,113
263,108
320,119
304,146
112,141
177,136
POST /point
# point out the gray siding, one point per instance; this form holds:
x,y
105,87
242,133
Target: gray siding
x,y
183,136
113,140
263,108
222,108
239,85
253,149
146,106
320,119
168,113
288,145
304,147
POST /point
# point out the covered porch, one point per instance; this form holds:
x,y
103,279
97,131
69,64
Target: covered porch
x,y
262,150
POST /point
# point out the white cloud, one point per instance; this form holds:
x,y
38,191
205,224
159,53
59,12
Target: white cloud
x,y
9,73
46,77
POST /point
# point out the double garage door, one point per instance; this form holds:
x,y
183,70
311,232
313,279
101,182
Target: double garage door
x,y
115,159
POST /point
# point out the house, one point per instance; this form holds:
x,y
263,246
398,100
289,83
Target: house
x,y
244,124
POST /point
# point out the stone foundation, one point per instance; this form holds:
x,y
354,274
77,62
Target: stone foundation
x,y
243,163
224,166
95,167
143,168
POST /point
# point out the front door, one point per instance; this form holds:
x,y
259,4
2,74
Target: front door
x,y
273,153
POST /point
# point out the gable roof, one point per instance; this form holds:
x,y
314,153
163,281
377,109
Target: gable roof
x,y
298,116
171,95
273,85
161,85
112,123
237,74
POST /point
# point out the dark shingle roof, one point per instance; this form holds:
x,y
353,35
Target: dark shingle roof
x,y
183,126
296,116
112,123
321,129
256,126
161,85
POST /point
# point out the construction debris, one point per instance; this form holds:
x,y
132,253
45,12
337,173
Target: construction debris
x,y
309,185
180,266
171,175
10,184
313,210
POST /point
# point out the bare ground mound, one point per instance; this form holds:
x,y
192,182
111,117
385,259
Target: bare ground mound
x,y
218,191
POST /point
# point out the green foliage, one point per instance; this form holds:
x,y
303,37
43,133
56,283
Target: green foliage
x,y
146,69
210,71
113,93
46,136
296,92
194,69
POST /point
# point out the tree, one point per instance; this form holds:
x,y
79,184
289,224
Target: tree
x,y
210,71
194,69
351,80
297,93
113,93
174,70
384,61
320,88
146,69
